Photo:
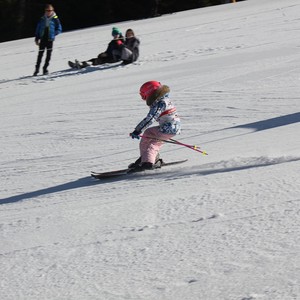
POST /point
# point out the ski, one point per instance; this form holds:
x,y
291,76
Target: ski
x,y
129,171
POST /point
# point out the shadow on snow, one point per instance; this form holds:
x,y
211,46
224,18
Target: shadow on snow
x,y
271,123
255,126
89,181
65,73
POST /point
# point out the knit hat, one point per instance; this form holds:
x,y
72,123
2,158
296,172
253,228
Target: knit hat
x,y
116,31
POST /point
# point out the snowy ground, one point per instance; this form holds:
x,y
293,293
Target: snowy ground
x,y
219,227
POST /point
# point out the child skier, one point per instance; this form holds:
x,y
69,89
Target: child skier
x,y
164,112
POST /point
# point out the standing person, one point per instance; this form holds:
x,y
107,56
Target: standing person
x,y
164,112
47,28
108,56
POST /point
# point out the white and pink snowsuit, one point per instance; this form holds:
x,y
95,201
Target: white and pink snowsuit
x,y
164,112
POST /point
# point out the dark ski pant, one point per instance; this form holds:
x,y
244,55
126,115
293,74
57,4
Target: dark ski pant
x,y
44,45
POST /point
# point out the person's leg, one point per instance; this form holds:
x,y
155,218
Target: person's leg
x,y
126,55
101,59
48,56
116,55
84,64
151,144
42,47
98,61
93,61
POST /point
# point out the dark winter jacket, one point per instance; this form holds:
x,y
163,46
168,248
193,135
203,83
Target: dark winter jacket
x,y
53,29
133,44
114,44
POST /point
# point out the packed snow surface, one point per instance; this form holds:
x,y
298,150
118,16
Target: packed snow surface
x,y
219,227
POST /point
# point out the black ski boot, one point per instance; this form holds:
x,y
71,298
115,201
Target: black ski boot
x,y
158,161
36,72
139,166
142,167
77,65
84,64
135,164
71,64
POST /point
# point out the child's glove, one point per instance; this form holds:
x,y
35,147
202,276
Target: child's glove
x,y
135,135
119,42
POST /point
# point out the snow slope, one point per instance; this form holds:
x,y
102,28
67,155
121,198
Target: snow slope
x,y
219,227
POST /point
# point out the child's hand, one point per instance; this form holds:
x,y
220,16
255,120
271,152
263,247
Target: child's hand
x,y
135,135
119,42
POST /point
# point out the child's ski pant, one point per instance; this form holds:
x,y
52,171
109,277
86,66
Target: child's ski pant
x,y
150,145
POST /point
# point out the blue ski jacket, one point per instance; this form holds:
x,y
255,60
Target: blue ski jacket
x,y
54,27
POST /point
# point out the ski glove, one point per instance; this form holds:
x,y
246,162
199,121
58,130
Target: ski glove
x,y
135,135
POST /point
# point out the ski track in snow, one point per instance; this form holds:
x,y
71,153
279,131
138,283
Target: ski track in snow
x,y
219,227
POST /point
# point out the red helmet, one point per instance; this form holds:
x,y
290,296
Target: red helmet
x,y
148,88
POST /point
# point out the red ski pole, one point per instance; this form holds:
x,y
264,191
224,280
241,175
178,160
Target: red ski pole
x,y
193,147
172,141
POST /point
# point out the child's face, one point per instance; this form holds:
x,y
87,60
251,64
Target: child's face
x,y
49,11
129,34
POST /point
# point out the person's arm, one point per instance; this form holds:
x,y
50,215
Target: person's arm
x,y
37,32
58,27
152,116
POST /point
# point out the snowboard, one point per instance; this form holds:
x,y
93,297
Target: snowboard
x,y
128,171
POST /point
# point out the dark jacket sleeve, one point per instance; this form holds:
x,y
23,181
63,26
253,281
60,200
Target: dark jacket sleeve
x,y
58,27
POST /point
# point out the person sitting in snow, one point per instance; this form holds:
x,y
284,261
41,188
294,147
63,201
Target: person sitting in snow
x,y
107,56
164,112
47,28
129,51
